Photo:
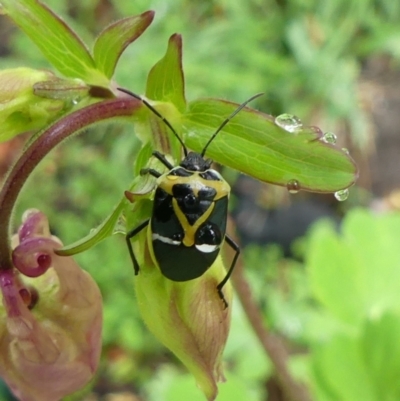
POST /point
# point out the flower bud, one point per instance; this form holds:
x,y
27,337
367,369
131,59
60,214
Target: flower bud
x,y
189,318
50,337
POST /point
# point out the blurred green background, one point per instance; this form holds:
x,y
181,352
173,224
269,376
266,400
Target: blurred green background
x,y
333,63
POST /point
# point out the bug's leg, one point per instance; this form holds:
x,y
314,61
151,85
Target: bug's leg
x,y
153,172
162,159
128,237
236,248
150,171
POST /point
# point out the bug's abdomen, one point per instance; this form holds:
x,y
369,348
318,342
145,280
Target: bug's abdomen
x,y
187,232
182,263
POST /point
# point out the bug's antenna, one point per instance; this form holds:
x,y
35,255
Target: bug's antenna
x,y
227,120
166,122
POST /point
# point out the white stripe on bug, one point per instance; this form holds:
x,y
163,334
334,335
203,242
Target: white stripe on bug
x,y
166,240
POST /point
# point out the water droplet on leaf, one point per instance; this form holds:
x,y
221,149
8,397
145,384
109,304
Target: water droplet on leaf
x,y
342,195
329,137
289,122
293,186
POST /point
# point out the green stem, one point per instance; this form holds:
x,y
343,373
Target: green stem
x,y
37,150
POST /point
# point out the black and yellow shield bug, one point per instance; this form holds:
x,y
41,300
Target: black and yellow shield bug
x,y
190,209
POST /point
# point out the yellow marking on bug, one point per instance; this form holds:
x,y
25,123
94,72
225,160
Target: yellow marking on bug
x,y
197,183
190,231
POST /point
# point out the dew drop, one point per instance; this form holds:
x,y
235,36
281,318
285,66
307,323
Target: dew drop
x,y
329,137
289,122
342,195
293,186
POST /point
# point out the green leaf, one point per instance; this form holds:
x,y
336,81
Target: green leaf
x,y
104,230
253,144
335,276
165,81
113,40
381,354
59,44
339,371
360,366
356,274
374,242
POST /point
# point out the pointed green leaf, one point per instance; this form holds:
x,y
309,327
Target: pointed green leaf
x,y
165,81
60,45
113,40
104,230
253,144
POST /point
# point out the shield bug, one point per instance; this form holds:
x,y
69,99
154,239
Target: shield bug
x,y
188,222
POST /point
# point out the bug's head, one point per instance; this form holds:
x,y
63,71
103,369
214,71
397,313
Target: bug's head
x,y
195,162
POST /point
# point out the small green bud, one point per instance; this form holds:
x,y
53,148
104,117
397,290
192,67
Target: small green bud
x,y
31,99
68,89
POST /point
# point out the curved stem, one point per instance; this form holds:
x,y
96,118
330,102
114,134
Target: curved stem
x,y
272,344
52,136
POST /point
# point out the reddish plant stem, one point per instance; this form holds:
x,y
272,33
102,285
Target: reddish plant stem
x,y
272,344
52,136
